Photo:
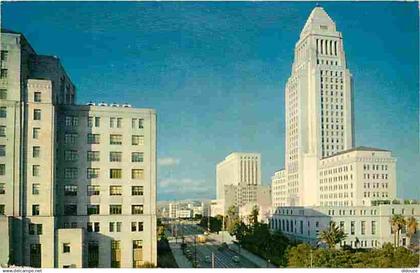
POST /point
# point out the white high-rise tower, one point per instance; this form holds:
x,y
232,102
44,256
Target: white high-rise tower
x,y
318,100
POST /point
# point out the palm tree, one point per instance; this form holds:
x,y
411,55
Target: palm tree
x,y
411,227
332,235
397,222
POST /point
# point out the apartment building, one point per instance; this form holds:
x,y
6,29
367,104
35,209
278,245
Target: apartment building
x,y
77,182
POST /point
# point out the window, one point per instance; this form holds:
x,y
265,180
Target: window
x,y
3,73
137,253
66,247
90,122
133,123
93,190
111,122
137,140
70,210
2,209
93,156
363,227
97,121
36,151
3,94
2,150
93,254
112,226
70,190
115,190
4,54
119,122
70,138
70,173
115,139
115,173
137,190
115,156
136,157
2,131
2,169
72,121
35,209
373,227
2,188
115,254
136,226
137,174
3,112
35,133
35,189
31,229
137,209
115,209
37,114
93,139
37,96
93,227
141,123
352,226
92,173
70,155
92,209
35,170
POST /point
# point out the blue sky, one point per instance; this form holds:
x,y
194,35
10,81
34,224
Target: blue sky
x,y
215,72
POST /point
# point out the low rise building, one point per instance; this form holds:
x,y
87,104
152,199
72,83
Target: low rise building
x,y
365,227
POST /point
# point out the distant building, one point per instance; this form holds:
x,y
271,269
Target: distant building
x,y
238,181
172,210
184,213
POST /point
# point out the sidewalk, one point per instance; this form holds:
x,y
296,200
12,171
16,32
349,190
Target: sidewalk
x,y
180,258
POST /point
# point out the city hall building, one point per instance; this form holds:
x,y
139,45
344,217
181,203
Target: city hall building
x,y
77,182
326,178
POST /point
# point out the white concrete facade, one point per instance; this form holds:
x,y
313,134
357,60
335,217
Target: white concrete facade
x,y
279,189
357,177
55,171
366,227
318,100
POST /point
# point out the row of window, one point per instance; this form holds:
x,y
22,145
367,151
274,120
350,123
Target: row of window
x,y
114,139
114,122
73,155
71,190
71,210
91,173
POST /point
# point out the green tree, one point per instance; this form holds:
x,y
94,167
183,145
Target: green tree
x,y
299,256
411,228
397,222
332,236
253,217
232,218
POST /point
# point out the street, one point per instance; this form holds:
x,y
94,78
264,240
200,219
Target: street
x,y
202,252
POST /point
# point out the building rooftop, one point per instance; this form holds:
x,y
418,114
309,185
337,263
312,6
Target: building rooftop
x,y
360,148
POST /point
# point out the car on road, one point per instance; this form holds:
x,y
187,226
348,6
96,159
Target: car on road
x,y
236,259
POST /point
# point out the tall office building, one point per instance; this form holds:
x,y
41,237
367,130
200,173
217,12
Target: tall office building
x,y
318,101
238,181
77,182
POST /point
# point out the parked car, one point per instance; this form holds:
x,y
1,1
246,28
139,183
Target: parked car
x,y
236,259
207,259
